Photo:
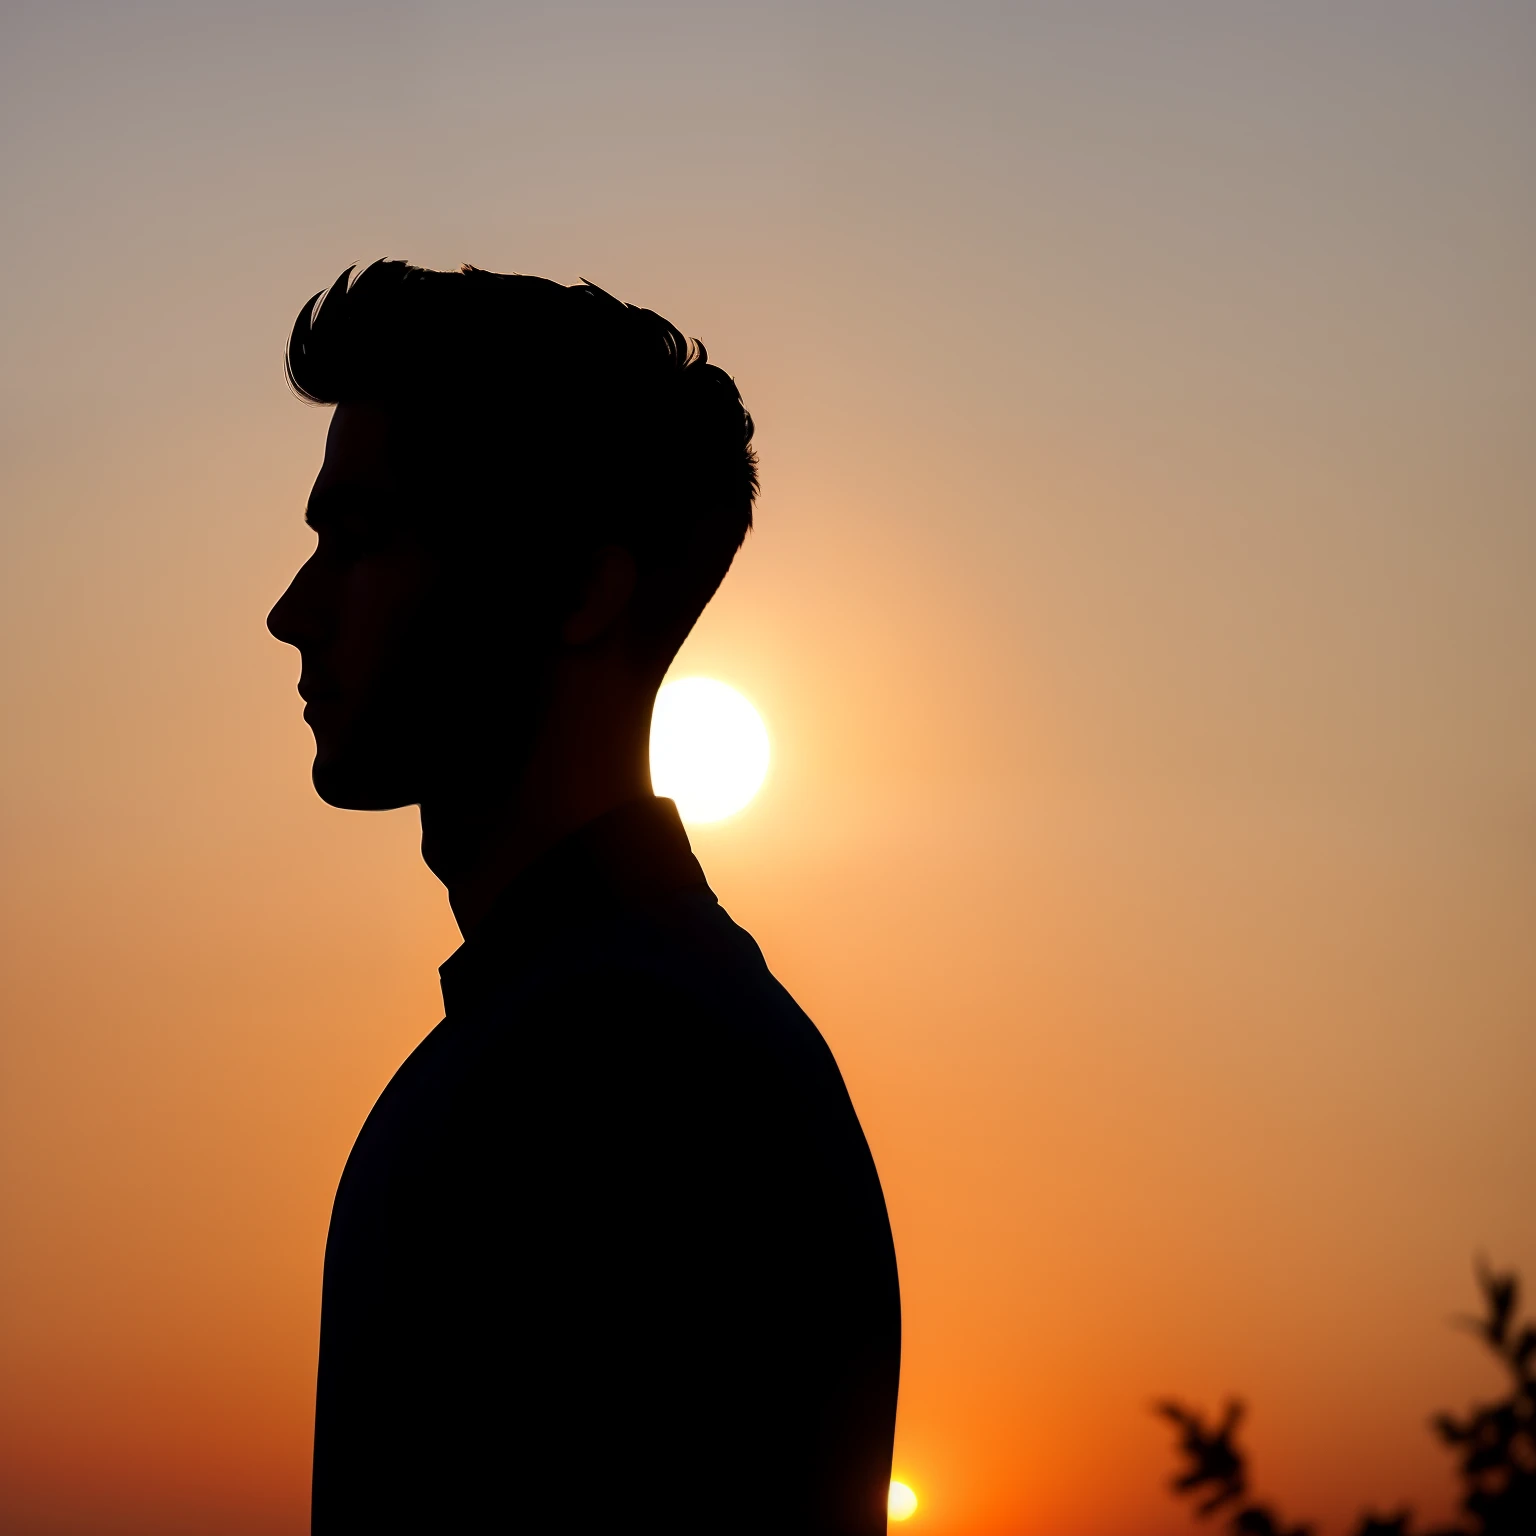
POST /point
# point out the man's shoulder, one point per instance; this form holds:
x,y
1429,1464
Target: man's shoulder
x,y
672,1005
688,974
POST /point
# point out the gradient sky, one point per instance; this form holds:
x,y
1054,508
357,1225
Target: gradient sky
x,y
1143,605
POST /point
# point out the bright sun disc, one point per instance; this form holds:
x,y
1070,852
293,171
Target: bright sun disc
x,y
709,748
902,1504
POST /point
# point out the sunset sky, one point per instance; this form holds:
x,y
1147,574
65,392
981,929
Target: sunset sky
x,y
1142,608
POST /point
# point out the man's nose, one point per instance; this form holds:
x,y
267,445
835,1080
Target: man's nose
x,y
290,621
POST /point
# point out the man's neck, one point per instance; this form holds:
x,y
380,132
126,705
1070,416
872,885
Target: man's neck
x,y
477,848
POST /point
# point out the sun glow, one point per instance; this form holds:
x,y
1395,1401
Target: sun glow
x,y
902,1504
709,748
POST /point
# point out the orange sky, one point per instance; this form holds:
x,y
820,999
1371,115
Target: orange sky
x,y
1141,603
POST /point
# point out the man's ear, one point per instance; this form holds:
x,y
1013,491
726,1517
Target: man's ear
x,y
604,597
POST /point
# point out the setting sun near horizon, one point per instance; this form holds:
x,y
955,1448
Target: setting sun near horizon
x,y
902,1504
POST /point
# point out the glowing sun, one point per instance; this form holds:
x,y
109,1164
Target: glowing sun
x,y
902,1504
709,748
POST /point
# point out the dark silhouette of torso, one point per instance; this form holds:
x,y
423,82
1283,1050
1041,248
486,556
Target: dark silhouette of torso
x,y
610,1251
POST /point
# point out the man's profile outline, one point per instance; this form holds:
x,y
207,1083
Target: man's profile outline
x,y
614,1222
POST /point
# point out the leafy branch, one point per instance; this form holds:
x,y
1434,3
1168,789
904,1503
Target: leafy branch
x,y
1495,1445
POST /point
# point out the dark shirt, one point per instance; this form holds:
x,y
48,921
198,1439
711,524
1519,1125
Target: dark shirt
x,y
610,1251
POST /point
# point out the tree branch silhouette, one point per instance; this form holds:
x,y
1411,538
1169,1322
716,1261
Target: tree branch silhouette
x,y
1495,1445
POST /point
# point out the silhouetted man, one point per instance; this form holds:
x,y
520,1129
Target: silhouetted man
x,y
610,1251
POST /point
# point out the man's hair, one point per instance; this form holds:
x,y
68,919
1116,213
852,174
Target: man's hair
x,y
543,422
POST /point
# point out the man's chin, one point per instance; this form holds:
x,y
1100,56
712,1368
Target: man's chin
x,y
349,787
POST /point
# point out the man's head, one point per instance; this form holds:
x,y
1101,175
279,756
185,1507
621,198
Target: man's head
x,y
527,488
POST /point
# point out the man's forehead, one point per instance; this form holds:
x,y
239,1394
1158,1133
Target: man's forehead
x,y
357,450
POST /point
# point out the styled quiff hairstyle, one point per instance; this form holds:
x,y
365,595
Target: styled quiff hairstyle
x,y
535,423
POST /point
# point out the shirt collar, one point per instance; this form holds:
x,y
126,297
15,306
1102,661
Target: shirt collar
x,y
629,858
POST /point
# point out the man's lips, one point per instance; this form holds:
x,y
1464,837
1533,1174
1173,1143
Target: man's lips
x,y
316,699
